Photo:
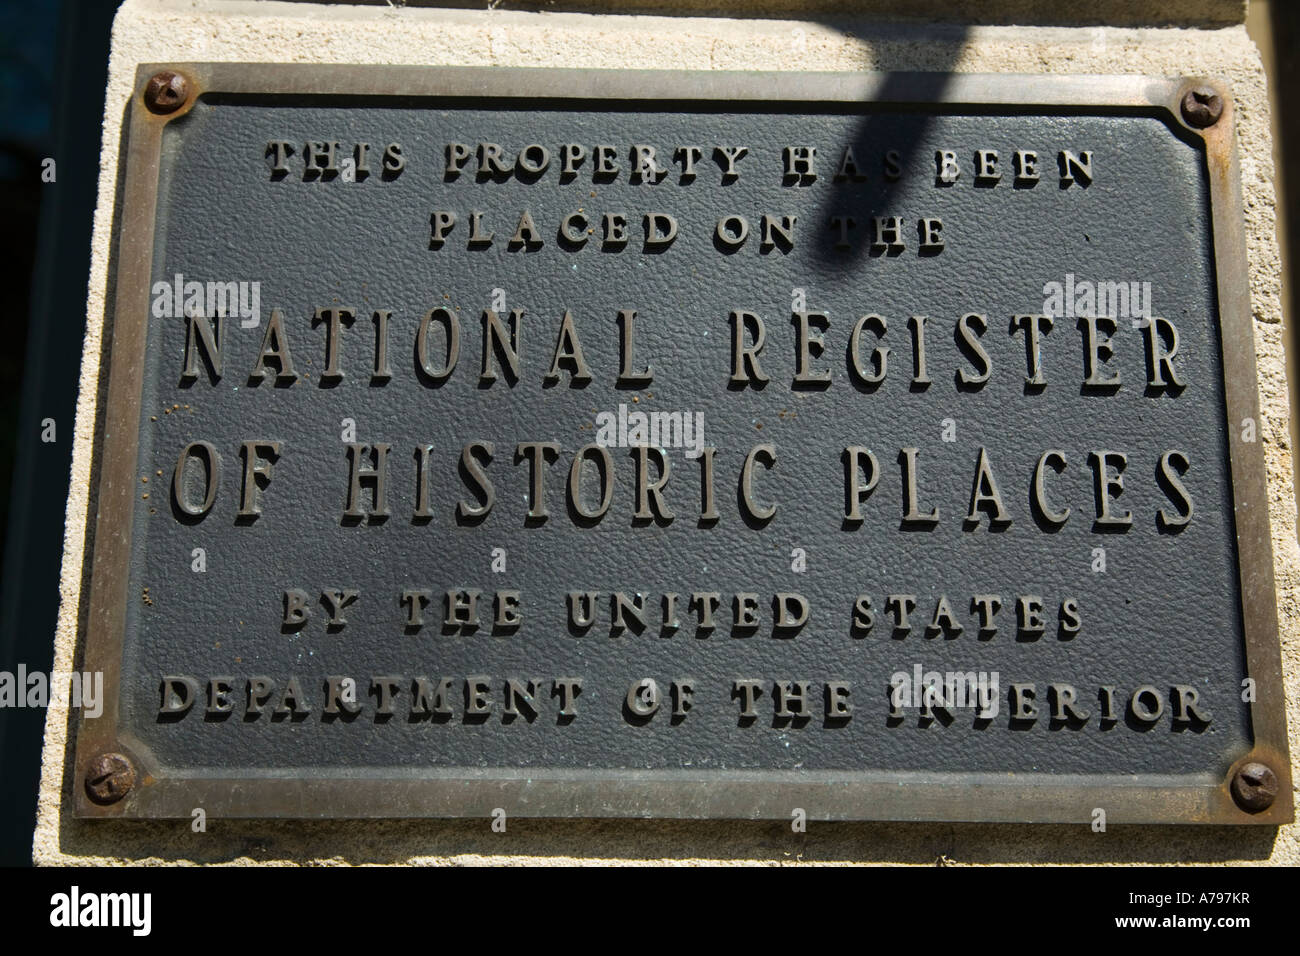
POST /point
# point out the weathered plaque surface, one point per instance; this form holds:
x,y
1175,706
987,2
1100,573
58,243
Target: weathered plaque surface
x,y
589,444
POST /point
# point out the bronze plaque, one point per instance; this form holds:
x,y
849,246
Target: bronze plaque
x,y
508,442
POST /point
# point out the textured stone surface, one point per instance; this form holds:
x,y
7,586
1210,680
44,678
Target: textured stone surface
x,y
161,30
1108,12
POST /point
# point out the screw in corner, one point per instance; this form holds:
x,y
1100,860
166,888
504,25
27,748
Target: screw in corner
x,y
1254,787
1202,106
109,778
166,92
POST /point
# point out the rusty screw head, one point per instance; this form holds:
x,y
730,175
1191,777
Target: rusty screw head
x,y
109,778
1202,107
166,92
1254,787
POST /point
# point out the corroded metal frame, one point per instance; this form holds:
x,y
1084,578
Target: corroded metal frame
x,y
433,792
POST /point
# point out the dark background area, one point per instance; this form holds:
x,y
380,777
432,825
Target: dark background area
x,y
53,67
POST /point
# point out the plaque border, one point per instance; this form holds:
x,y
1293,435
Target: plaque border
x,y
161,792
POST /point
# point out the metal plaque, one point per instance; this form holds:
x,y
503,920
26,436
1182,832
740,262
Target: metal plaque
x,y
581,443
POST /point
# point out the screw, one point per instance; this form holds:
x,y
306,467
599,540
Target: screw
x,y
1202,107
165,92
109,778
1254,786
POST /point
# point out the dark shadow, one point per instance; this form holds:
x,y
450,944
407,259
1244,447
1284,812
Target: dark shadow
x,y
468,519
635,719
787,631
922,523
1163,525
1043,523
795,721
892,719
753,522
1102,369
567,244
